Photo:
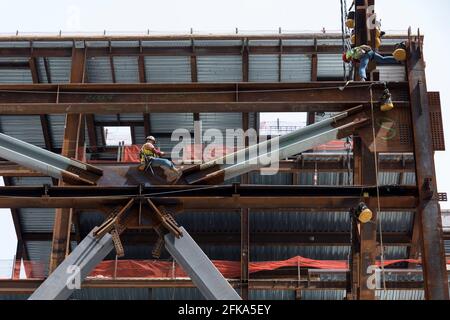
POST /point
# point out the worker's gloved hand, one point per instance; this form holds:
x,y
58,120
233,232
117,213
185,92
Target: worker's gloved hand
x,y
163,154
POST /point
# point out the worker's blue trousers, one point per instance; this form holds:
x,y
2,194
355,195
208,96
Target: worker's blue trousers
x,y
161,162
372,55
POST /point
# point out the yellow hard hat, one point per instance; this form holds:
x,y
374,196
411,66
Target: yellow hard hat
x,y
365,215
399,54
350,23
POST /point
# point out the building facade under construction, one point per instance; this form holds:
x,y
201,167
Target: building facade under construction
x,y
296,234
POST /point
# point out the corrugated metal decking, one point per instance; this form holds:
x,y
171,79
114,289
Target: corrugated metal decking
x,y
219,68
161,69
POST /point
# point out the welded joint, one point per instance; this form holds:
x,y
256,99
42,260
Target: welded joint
x,y
163,219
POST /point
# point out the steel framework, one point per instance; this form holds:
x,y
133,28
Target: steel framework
x,y
80,100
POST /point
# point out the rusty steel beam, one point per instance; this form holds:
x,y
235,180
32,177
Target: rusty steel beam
x,y
27,286
92,133
192,97
368,231
141,66
139,235
9,169
245,61
33,69
182,36
432,244
63,216
72,141
365,173
46,132
178,51
306,204
308,199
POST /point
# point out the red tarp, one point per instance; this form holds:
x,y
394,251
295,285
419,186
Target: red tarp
x,y
336,145
131,154
195,152
164,269
229,269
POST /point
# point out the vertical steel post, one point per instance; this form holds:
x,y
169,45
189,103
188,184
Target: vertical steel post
x,y
73,135
433,253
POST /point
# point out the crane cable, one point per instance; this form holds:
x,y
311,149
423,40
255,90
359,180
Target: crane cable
x,y
378,188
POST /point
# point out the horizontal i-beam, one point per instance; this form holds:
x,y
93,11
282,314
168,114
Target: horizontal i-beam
x,y
308,198
315,163
27,286
192,97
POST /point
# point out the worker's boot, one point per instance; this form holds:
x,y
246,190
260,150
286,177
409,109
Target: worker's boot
x,y
178,173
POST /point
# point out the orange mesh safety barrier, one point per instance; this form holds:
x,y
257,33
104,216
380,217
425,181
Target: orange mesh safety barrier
x,y
229,269
131,154
336,145
193,152
167,269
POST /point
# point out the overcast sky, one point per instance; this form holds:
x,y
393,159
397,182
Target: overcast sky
x,y
220,16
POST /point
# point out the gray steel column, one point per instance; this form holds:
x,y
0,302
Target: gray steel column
x,y
197,265
77,266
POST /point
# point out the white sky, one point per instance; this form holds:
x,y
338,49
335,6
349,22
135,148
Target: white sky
x,y
219,16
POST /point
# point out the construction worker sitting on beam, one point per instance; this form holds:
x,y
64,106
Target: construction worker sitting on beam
x,y
150,156
364,54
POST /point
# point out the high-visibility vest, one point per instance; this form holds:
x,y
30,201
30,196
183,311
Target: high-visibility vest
x,y
358,52
147,152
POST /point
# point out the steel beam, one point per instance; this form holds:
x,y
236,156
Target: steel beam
x,y
47,162
27,286
200,269
308,199
191,97
368,231
72,141
77,266
433,253
303,165
143,234
254,157
182,36
171,51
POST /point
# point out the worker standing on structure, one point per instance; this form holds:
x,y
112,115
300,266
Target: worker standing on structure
x,y
364,54
150,155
